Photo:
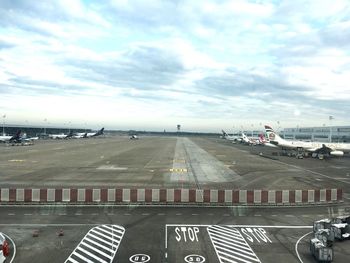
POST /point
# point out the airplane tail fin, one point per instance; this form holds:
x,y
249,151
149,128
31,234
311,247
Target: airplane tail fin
x,y
16,136
100,132
272,135
262,138
245,138
224,133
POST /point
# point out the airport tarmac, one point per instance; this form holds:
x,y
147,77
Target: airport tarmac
x,y
165,234
164,162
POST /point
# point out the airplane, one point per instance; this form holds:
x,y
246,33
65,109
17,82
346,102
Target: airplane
x,y
134,137
318,149
61,136
8,138
95,134
247,140
80,135
30,139
251,140
231,137
18,139
265,142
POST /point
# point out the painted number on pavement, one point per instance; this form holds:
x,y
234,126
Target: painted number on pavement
x,y
194,259
139,258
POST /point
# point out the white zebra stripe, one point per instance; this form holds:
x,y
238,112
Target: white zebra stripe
x,y
230,246
96,244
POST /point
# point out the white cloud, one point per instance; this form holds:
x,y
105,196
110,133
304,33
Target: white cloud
x,y
195,62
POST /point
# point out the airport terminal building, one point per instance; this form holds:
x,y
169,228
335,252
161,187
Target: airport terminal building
x,y
324,133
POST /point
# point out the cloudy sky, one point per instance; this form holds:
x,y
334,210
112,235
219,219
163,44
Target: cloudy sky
x,y
151,65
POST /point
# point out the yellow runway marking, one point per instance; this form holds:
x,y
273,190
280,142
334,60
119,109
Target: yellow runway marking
x,y
178,170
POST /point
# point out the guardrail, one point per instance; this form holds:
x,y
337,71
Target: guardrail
x,y
170,196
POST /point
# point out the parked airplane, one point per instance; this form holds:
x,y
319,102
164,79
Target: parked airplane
x,y
30,139
17,139
231,137
134,137
80,135
94,134
264,141
8,138
61,136
318,149
247,140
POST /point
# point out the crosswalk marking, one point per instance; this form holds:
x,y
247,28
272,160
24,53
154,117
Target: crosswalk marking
x,y
230,246
100,244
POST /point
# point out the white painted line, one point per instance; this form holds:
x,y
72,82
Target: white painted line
x,y
100,244
14,248
310,171
296,246
240,226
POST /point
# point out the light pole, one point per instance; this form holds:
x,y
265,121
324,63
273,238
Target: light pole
x,y
330,128
3,124
45,120
252,129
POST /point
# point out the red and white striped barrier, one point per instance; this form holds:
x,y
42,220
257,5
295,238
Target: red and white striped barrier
x,y
170,196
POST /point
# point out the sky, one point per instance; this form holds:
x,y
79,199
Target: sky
x,y
150,65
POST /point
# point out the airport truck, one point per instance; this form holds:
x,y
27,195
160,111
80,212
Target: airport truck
x,y
322,242
326,236
326,231
320,251
322,224
341,231
341,227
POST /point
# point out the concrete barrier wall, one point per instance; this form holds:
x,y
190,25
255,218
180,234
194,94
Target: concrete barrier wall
x,y
170,196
